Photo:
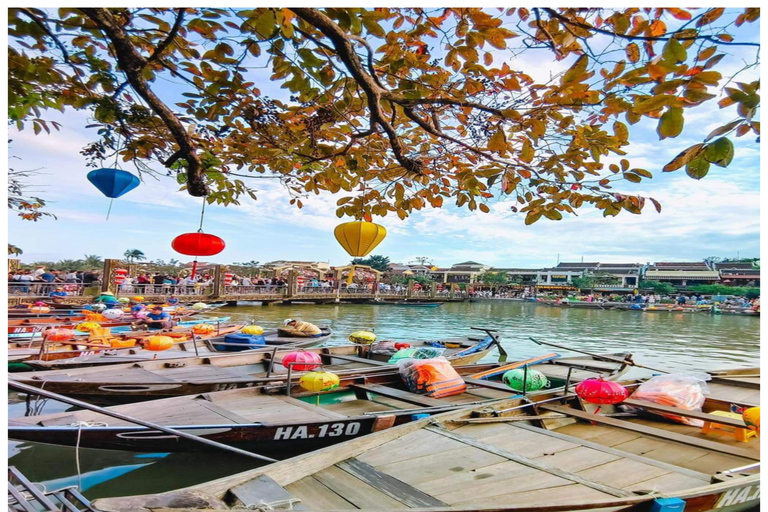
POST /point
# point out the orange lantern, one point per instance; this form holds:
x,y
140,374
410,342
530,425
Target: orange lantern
x,y
122,343
120,274
203,329
59,334
158,343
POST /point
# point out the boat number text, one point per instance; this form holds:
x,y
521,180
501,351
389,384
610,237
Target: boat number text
x,y
328,430
739,496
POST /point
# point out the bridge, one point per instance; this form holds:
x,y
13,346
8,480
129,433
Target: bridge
x,y
218,291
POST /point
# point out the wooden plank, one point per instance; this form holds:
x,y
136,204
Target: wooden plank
x,y
656,432
573,477
221,411
315,409
499,386
354,490
731,422
404,396
265,492
614,451
389,485
313,492
517,364
417,471
355,359
408,447
623,472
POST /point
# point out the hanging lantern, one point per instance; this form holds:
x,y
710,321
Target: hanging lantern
x,y
123,300
599,391
120,274
311,359
199,306
518,379
198,244
400,345
40,309
137,298
113,183
319,381
362,337
113,314
203,329
158,343
88,326
256,330
359,238
751,418
59,334
228,278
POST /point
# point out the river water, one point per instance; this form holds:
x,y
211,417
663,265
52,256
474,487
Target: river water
x,y
672,341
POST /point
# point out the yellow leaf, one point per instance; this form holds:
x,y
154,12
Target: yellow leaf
x,y
633,52
498,142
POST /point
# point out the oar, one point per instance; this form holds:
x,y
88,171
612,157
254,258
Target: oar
x,y
491,332
78,403
600,356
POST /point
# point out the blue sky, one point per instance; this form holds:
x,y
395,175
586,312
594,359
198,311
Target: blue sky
x,y
717,216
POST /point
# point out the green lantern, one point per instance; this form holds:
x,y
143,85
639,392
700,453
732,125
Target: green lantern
x,y
534,381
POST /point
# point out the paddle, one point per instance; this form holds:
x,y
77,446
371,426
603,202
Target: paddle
x,y
628,360
491,332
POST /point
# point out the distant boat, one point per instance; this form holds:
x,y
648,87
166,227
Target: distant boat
x,y
414,304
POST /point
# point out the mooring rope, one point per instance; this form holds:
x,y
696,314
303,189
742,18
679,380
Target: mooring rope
x,y
263,506
80,425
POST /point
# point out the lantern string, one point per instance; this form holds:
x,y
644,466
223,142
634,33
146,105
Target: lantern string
x,y
202,215
110,207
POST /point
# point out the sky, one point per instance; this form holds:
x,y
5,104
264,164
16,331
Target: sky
x,y
716,216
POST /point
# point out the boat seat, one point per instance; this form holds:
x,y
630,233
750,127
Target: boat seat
x,y
741,434
264,492
405,396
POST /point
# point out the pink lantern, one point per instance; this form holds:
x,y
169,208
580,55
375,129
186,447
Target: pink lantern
x,y
302,356
599,391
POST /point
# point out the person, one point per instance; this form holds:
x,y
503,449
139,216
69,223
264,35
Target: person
x,y
681,300
58,294
156,319
303,329
173,300
108,299
90,278
138,310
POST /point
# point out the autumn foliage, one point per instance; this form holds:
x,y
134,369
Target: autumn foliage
x,y
398,109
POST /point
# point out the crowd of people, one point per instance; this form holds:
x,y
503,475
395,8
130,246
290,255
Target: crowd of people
x,y
44,281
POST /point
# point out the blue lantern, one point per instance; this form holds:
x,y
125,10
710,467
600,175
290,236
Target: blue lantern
x,y
113,183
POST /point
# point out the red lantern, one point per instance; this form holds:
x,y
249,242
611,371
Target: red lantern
x,y
400,345
599,391
228,278
120,274
198,244
302,356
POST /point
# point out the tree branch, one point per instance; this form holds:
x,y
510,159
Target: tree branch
x,y
132,63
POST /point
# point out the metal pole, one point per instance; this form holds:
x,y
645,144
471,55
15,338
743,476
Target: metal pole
x,y
525,379
598,356
272,362
194,343
567,380
78,403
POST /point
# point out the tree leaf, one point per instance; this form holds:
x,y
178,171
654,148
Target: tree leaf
x,y
498,142
720,152
671,123
656,204
577,72
684,157
633,52
674,51
697,168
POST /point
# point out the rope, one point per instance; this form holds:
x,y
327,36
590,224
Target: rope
x,y
263,506
202,214
80,425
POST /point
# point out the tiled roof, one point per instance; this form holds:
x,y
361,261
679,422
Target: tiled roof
x,y
710,275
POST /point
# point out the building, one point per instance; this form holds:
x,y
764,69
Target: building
x,y
682,274
467,272
627,273
738,273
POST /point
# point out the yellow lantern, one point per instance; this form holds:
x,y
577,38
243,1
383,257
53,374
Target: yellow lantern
x,y
359,238
137,298
158,343
362,337
121,343
253,329
203,329
751,418
319,381
87,326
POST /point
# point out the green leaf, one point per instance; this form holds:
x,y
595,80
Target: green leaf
x,y
577,72
634,178
697,168
671,123
720,152
674,51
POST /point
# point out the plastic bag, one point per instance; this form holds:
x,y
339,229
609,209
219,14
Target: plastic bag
x,y
682,390
385,348
435,377
416,353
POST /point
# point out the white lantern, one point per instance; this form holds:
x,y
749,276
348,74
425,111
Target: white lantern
x,y
113,314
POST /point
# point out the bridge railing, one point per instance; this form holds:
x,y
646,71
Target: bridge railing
x,y
260,289
42,290
130,290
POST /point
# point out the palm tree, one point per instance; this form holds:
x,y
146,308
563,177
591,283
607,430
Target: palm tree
x,y
92,261
133,255
12,249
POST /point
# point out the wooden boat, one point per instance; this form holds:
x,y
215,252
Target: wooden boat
x,y
578,304
555,454
157,378
260,420
185,346
36,330
413,304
